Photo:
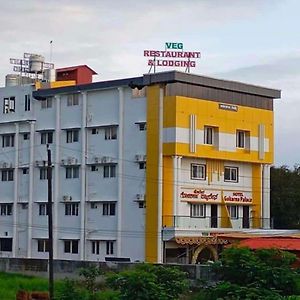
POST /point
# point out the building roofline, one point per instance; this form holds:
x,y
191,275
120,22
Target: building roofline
x,y
76,67
165,78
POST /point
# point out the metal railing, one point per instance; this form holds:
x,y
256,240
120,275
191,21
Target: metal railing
x,y
208,222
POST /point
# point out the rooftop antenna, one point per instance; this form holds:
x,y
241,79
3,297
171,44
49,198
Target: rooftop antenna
x,y
51,43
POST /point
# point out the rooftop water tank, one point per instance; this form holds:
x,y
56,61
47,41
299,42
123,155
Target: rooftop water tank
x,y
36,63
12,80
49,75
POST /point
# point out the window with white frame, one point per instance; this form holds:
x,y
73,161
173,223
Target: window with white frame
x,y
209,132
233,211
109,171
142,165
73,99
25,171
6,209
111,133
7,175
231,174
95,130
43,245
198,171
109,209
43,173
198,210
71,209
27,102
46,137
43,209
72,135
8,140
110,247
240,139
71,246
72,172
9,105
26,136
95,247
47,103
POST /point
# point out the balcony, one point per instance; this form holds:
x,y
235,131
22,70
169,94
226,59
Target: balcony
x,y
208,223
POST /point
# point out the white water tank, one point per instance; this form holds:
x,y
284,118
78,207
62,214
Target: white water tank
x,y
36,63
12,80
49,75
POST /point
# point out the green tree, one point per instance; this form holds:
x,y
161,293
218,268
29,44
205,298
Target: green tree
x,y
285,197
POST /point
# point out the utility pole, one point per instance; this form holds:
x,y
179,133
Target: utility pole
x,y
50,224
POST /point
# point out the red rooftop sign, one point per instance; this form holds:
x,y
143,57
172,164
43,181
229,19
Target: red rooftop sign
x,y
172,56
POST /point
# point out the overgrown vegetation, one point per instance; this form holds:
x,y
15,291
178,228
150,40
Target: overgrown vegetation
x,y
244,274
285,197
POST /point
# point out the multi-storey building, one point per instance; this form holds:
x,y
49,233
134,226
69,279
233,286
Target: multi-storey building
x,y
149,168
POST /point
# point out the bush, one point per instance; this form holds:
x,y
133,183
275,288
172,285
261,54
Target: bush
x,y
148,282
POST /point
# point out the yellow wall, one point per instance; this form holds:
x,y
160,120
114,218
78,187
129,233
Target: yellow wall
x,y
168,184
176,114
256,195
152,174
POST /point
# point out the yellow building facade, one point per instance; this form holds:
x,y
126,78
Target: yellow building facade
x,y
210,144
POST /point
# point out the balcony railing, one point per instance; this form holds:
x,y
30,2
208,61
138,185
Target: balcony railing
x,y
187,222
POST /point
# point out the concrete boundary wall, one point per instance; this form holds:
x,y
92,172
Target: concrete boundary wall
x,y
70,269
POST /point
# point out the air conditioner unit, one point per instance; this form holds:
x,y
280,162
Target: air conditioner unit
x,y
140,197
67,198
105,159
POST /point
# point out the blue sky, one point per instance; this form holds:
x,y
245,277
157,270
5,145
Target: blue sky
x,y
256,41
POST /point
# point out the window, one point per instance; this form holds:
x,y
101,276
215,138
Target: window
x,y
26,136
8,105
208,135
240,139
95,247
6,244
46,103
109,247
231,174
43,209
43,173
142,126
109,209
46,138
111,133
94,168
93,205
198,210
73,100
71,246
109,171
95,131
27,102
234,211
25,171
43,245
72,172
198,171
6,209
142,165
7,175
72,136
8,140
71,209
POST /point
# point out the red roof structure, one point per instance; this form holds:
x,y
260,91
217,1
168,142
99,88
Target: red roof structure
x,y
290,244
81,74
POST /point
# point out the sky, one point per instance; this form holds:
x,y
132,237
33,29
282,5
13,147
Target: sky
x,y
254,41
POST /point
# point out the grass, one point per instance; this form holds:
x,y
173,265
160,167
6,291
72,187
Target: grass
x,y
11,283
